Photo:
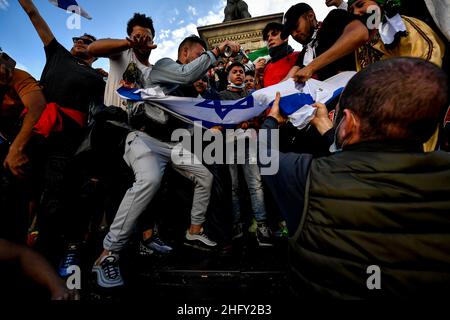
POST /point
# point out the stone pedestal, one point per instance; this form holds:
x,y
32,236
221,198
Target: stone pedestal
x,y
246,32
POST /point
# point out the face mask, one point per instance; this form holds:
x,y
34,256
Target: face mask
x,y
232,85
334,147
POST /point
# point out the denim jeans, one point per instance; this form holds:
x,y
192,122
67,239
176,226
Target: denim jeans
x,y
148,158
253,179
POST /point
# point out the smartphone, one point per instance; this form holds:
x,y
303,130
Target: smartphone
x,y
7,61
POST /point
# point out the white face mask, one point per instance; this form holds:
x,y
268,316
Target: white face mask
x,y
232,85
334,147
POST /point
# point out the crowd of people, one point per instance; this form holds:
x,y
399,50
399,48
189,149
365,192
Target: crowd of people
x,y
366,183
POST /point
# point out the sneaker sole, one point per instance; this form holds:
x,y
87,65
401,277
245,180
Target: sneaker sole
x,y
211,244
161,249
265,244
199,247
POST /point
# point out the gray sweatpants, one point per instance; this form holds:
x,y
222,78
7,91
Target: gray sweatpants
x,y
148,158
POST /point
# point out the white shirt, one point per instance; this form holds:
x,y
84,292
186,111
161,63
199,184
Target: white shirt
x,y
118,65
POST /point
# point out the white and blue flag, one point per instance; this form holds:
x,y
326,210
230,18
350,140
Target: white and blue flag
x,y
296,101
71,6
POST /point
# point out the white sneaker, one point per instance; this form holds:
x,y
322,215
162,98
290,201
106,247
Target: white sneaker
x,y
201,238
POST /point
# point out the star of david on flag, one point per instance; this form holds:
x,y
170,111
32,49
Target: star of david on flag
x,y
296,101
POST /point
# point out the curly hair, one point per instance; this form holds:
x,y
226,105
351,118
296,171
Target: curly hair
x,y
140,20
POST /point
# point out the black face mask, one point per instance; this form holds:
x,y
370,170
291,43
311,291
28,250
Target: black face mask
x,y
281,51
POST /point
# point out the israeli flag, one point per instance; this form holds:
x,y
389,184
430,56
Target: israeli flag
x,y
71,6
296,102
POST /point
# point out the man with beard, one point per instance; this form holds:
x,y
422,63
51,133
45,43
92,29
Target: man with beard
x,y
381,201
328,46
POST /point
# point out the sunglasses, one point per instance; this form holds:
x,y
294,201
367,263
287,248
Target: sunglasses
x,y
84,40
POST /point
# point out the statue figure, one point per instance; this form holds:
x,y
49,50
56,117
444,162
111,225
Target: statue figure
x,y
236,9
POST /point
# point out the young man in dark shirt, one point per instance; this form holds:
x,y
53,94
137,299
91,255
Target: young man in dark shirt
x,y
328,46
71,84
235,91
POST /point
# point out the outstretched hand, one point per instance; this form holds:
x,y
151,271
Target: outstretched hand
x,y
321,119
275,111
304,74
234,47
141,42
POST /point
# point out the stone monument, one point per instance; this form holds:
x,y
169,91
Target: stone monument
x,y
245,31
235,10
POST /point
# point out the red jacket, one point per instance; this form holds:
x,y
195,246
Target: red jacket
x,y
277,71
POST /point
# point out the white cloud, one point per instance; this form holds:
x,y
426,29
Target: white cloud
x,y
264,7
164,34
181,22
4,4
192,10
168,40
177,12
211,18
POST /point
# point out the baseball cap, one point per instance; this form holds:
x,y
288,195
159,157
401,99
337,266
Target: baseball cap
x,y
291,17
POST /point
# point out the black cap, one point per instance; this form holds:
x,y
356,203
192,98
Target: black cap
x,y
291,17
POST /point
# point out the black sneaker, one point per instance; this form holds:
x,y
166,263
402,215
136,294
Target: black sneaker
x,y
238,231
108,271
71,258
153,244
264,235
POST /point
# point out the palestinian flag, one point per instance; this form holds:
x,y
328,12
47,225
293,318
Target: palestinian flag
x,y
260,53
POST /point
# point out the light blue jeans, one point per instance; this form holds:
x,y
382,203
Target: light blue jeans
x,y
148,158
253,179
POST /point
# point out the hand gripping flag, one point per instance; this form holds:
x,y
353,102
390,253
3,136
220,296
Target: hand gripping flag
x,y
296,101
71,6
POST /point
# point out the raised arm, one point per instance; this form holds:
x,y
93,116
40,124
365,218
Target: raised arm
x,y
38,22
168,71
355,35
108,48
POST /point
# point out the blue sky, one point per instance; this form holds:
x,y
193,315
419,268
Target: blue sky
x,y
173,20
